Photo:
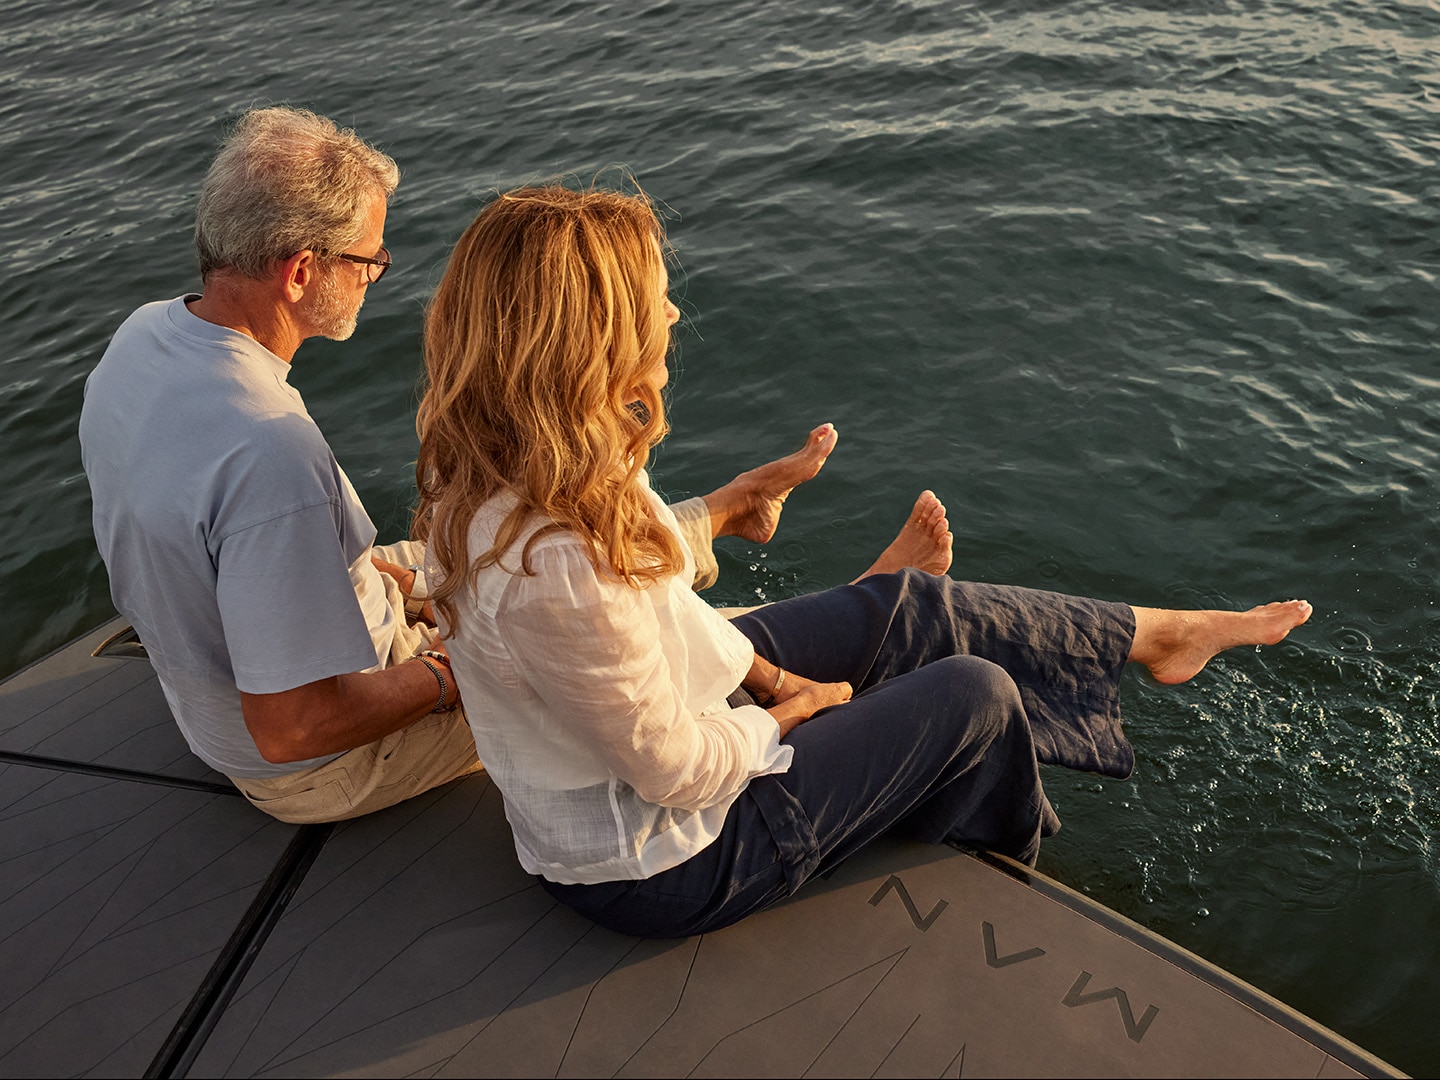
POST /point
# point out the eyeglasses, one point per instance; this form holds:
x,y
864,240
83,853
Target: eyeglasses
x,y
374,268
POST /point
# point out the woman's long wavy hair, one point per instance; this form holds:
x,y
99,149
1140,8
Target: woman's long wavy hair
x,y
538,342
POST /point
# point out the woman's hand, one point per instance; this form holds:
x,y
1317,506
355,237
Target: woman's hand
x,y
793,707
793,685
791,699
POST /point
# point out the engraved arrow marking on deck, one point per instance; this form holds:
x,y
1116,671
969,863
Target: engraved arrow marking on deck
x,y
893,882
1136,1031
993,957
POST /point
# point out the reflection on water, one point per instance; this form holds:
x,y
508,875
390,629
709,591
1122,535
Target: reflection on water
x,y
1145,292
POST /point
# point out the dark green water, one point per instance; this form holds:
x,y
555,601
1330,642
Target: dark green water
x,y
1145,291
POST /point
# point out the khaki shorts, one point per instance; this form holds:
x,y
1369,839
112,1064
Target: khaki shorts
x,y
430,752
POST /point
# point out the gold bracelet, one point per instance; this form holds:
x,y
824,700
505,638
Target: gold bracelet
x,y
775,691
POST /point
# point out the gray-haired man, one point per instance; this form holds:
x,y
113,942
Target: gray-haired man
x,y
235,543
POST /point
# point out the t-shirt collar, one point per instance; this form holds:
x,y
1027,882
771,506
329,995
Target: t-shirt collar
x,y
190,324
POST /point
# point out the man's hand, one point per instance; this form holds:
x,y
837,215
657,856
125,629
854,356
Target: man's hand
x,y
403,575
405,578
749,506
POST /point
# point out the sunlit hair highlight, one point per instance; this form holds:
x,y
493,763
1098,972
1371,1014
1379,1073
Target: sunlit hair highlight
x,y
538,342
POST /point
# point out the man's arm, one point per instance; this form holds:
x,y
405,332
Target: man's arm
x,y
330,716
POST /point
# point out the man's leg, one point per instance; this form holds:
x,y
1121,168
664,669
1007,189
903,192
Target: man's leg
x,y
430,752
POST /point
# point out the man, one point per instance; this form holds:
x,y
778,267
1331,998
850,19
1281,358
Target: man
x,y
235,544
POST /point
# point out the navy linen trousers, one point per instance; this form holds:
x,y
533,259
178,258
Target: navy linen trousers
x,y
961,691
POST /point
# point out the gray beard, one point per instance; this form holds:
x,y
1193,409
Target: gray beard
x,y
330,314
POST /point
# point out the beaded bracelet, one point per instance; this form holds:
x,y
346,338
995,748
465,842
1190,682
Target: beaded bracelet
x,y
425,658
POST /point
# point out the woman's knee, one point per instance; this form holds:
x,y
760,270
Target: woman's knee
x,y
979,690
975,674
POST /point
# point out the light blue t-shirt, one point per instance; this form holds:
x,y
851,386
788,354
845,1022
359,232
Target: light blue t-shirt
x,y
227,526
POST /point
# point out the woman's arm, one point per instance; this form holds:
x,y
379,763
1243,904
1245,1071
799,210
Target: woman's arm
x,y
590,648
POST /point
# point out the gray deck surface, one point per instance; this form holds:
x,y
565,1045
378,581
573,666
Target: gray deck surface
x,y
152,921
116,899
104,712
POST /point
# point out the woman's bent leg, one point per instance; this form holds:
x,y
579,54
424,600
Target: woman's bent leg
x,y
946,751
1065,653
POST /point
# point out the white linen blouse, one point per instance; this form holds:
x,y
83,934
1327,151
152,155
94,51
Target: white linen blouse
x,y
599,710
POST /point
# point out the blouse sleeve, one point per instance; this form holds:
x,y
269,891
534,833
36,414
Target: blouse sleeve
x,y
693,518
590,648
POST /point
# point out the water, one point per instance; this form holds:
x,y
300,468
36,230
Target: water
x,y
1145,291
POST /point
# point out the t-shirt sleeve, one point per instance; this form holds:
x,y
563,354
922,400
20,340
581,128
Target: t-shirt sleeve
x,y
288,605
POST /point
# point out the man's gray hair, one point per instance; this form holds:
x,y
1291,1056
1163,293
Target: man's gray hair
x,y
286,180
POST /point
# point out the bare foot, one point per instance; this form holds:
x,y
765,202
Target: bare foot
x,y
749,506
924,541
1175,645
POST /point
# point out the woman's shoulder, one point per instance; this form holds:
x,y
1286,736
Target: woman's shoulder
x,y
538,538
537,532
559,581
528,569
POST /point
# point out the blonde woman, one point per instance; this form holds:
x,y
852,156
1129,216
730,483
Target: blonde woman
x,y
665,771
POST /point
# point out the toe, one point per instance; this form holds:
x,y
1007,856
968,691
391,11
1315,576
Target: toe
x,y
925,506
823,438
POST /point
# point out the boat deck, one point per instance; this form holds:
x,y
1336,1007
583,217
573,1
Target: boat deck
x,y
152,922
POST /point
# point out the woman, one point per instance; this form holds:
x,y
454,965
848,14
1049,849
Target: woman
x,y
667,772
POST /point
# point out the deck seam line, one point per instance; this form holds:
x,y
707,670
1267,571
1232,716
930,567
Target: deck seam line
x,y
273,1063
190,1033
114,772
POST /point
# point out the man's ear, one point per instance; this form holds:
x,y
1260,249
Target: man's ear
x,y
297,273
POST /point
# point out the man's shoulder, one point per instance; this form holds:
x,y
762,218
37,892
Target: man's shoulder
x,y
137,334
284,451
183,414
146,321
199,377
150,353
